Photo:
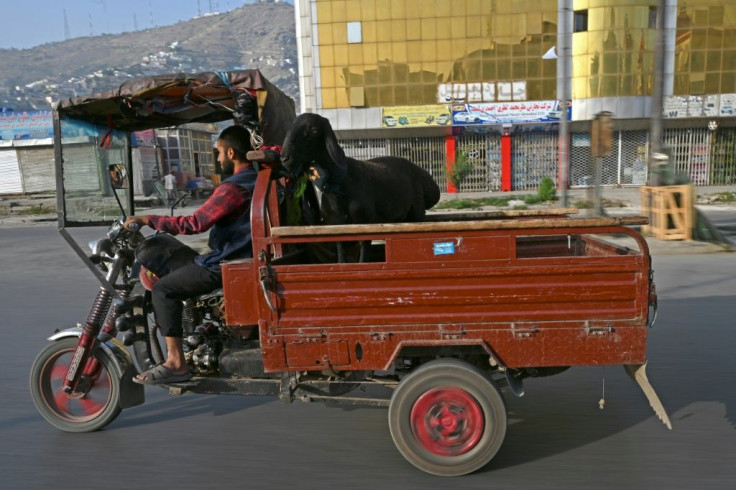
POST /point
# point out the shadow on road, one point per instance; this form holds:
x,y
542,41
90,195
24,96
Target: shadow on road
x,y
183,407
689,350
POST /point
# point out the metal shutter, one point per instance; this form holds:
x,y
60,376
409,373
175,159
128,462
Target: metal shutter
x,y
10,178
80,168
533,157
37,166
484,152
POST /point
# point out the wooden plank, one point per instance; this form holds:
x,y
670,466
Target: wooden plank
x,y
303,231
435,216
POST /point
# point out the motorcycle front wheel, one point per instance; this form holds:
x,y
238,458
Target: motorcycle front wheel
x,y
96,401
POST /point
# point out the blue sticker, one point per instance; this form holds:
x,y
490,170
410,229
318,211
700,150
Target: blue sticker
x,y
444,248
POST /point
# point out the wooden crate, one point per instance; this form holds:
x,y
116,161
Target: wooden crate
x,y
670,211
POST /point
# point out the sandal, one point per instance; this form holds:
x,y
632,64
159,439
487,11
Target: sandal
x,y
160,374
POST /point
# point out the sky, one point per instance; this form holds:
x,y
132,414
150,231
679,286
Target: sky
x,y
29,23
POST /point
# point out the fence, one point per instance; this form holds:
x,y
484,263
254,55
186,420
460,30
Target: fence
x,y
707,157
428,153
626,165
484,152
533,157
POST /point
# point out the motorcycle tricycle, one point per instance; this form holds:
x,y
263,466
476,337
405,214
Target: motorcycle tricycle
x,y
445,318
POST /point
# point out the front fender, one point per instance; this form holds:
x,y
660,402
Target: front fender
x,y
131,393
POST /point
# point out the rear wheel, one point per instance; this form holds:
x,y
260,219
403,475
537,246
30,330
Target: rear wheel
x,y
96,401
447,418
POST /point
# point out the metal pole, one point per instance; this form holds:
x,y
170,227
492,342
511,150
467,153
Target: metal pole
x,y
564,72
655,128
598,209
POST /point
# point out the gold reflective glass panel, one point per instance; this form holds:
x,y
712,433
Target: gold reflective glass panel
x,y
705,36
410,47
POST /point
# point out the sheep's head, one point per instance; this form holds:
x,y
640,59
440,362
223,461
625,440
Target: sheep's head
x,y
310,141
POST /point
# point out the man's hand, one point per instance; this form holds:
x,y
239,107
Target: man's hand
x,y
137,220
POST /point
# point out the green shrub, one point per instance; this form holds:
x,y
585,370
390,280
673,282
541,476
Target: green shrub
x,y
34,210
725,197
533,199
460,170
547,190
459,204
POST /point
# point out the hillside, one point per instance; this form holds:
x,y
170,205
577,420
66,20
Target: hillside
x,y
253,36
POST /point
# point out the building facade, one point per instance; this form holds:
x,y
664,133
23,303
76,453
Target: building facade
x,y
426,78
27,154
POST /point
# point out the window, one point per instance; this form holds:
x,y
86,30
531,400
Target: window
x,y
580,21
355,32
652,17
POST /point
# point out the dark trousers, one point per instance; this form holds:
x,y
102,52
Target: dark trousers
x,y
183,283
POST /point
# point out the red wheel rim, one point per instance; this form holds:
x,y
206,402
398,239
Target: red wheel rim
x,y
69,408
447,421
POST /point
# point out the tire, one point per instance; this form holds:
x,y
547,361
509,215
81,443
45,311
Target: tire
x,y
97,407
447,418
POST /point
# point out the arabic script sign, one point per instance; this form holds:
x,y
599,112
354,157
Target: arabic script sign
x,y
26,125
507,112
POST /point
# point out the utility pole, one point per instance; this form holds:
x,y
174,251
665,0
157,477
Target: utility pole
x,y
655,128
564,92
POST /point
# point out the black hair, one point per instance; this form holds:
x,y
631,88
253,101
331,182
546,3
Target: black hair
x,y
237,138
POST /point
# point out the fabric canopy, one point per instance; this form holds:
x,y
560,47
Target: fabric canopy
x,y
171,100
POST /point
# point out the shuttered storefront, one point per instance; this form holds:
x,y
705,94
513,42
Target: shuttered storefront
x,y
37,167
11,181
80,168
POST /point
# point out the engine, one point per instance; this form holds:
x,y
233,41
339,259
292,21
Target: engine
x,y
204,332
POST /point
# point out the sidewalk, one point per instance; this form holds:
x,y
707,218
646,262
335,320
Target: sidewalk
x,y
623,201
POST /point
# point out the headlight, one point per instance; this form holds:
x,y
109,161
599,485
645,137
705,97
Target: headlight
x,y
114,230
102,247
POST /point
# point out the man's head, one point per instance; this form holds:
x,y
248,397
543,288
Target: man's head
x,y
232,146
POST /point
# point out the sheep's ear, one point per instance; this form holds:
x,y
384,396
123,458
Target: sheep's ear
x,y
333,149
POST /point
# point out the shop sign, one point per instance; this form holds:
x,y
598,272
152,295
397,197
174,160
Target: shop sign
x,y
678,106
415,116
727,106
26,125
507,112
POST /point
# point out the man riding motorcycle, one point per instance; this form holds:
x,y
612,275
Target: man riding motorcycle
x,y
226,213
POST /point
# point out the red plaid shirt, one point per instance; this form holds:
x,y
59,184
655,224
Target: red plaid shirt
x,y
226,203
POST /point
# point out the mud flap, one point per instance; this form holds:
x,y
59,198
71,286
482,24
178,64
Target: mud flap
x,y
639,374
132,394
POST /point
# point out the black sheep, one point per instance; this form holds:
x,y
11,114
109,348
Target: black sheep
x,y
379,190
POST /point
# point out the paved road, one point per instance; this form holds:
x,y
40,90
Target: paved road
x,y
557,438
723,218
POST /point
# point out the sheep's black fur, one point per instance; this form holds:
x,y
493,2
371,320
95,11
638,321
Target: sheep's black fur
x,y
380,190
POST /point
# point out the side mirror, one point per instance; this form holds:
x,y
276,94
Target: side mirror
x,y
118,176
